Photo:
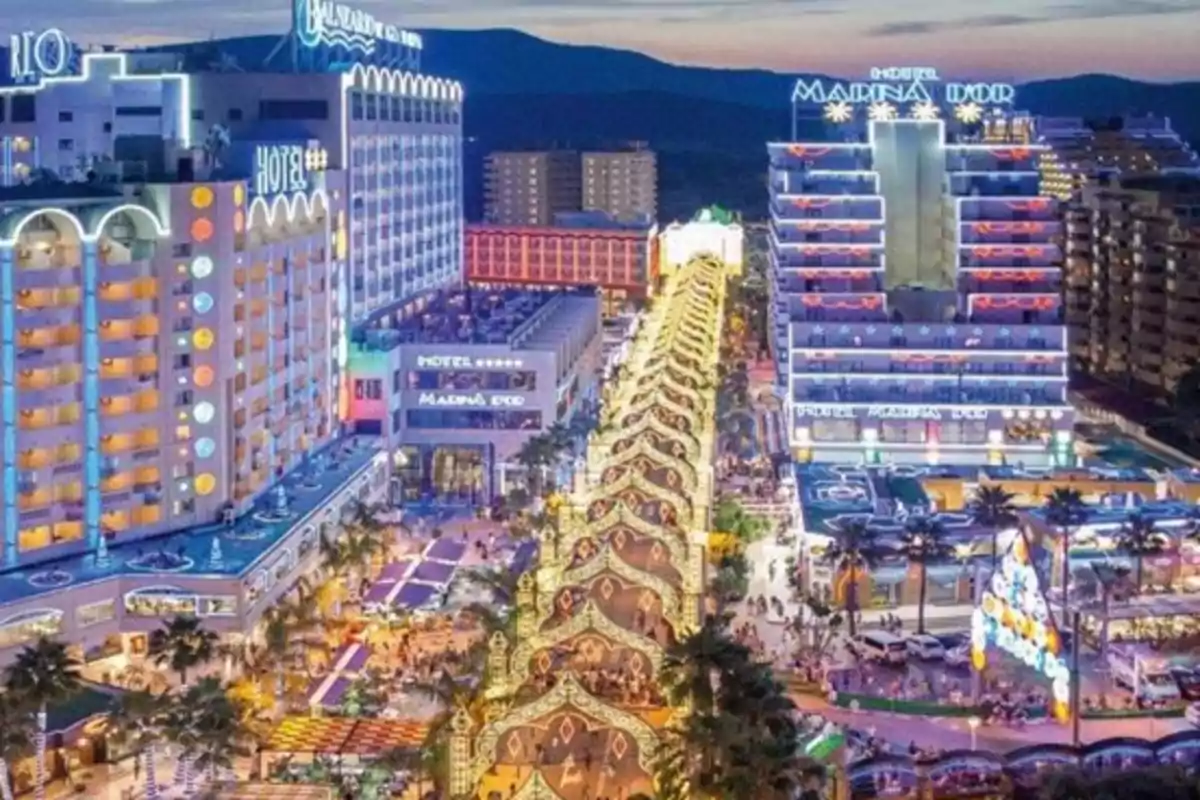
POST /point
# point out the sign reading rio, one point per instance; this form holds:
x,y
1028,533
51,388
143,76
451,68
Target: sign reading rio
x,y
34,55
1012,615
903,85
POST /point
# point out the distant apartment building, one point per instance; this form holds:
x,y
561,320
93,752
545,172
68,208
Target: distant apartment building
x,y
1127,186
623,185
529,188
1134,297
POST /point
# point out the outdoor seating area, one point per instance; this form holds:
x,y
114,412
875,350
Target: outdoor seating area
x,y
414,584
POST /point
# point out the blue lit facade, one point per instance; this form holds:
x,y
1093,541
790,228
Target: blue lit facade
x,y
915,290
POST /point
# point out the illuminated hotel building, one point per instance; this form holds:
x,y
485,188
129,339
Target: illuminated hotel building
x,y
916,280
176,325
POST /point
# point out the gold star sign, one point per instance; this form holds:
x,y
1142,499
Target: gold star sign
x,y
969,113
316,159
838,112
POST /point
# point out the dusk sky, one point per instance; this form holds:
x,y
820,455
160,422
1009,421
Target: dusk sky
x,y
1156,39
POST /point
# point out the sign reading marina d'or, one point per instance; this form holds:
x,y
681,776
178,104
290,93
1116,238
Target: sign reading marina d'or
x,y
331,24
903,85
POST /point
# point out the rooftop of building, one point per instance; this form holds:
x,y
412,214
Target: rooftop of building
x,y
208,551
43,191
510,317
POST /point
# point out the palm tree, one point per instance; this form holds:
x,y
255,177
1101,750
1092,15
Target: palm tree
x,y
205,724
993,506
1065,510
691,666
923,543
137,724
1139,537
822,625
42,674
856,546
500,583
1109,578
183,643
15,740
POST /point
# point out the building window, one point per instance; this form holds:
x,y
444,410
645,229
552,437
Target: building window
x,y
235,115
183,398
24,108
139,111
356,105
293,110
66,144
182,250
66,116
198,115
107,127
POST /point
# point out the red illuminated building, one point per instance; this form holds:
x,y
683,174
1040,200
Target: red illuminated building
x,y
621,261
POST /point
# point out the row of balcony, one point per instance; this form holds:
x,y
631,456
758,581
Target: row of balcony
x,y
904,392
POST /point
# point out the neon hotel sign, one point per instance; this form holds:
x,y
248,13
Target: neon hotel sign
x,y
331,24
903,85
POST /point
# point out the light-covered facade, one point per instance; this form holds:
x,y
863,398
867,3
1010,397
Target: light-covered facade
x,y
916,286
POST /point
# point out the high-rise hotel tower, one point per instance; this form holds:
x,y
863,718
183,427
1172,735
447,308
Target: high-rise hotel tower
x,y
916,280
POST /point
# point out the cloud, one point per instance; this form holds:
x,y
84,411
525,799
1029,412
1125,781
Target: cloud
x,y
1091,9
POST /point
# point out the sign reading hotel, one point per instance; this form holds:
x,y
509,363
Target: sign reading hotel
x,y
1013,616
286,168
467,362
325,23
899,85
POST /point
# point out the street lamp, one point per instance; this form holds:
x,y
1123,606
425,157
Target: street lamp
x,y
973,724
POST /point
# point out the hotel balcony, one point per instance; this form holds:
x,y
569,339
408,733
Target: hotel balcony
x,y
1009,255
130,308
31,357
46,316
1013,309
904,392
46,278
932,339
46,257
60,394
800,206
1010,281
834,281
837,307
124,271
829,183
997,158
940,367
1023,209
995,184
845,232
1009,232
826,256
127,384
49,435
842,157
125,348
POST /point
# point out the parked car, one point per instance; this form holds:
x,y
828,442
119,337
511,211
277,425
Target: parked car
x,y
959,656
925,647
879,646
1188,681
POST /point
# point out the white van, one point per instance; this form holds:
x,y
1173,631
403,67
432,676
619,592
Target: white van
x,y
879,646
1146,675
925,647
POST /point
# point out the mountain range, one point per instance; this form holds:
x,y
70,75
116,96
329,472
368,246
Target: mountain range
x,y
709,125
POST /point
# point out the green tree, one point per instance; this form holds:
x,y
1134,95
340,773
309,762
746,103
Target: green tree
x,y
137,722
42,674
1065,510
732,580
856,547
817,625
924,542
1109,578
216,736
183,644
993,507
1139,537
16,740
732,518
